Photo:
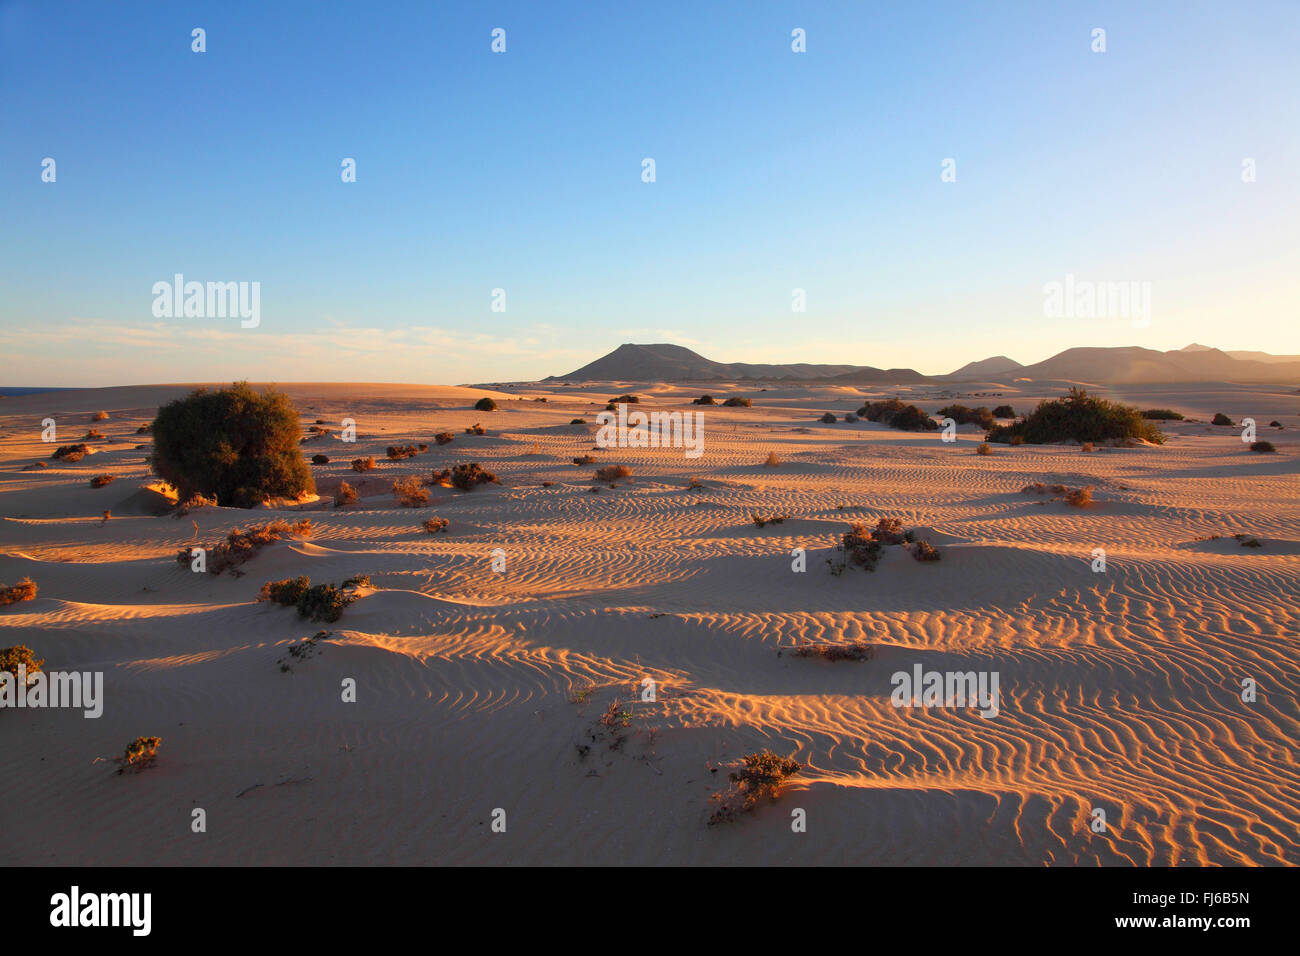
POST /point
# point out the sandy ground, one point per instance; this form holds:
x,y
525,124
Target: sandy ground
x,y
479,690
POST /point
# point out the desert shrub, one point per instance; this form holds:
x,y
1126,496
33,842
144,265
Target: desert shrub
x,y
434,525
1004,411
93,435
984,449
584,460
923,550
321,602
1162,415
694,483
772,460
889,531
19,656
737,402
613,472
399,452
968,416
1275,424
1221,419
287,592
850,418
1251,543
320,459
35,466
593,490
144,429
578,421
1079,497
71,452
410,492
485,404
1078,417
912,419
24,590
364,464
193,503
879,411
704,400
625,400
139,754
1087,447
829,418
759,776
861,547
857,651
476,429
240,546
468,477
1016,440
762,520
100,417
237,445
1263,446
443,438
346,495
99,481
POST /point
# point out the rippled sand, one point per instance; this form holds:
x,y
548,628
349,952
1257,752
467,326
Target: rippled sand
x,y
478,690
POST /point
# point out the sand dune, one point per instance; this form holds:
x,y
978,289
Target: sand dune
x,y
479,690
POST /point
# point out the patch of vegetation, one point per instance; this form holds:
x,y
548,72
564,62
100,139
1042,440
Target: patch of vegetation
x,y
302,651
984,448
625,400
704,400
1162,415
759,776
962,415
923,550
139,754
1252,543
321,602
93,435
1078,417
99,481
35,466
772,460
237,445
1004,411
320,459
485,404
240,546
470,476
858,651
828,418
1221,419
613,472
71,452
363,464
24,590
399,452
616,715
737,402
584,460
1263,446
476,429
763,520
897,414
410,492
20,655
1087,447
578,421
346,495
434,525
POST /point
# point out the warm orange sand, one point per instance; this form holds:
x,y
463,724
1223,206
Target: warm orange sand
x,y
1119,690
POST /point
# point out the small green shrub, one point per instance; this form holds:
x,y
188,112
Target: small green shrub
x,y
1263,446
760,776
1078,417
1162,415
1221,419
470,476
485,404
737,402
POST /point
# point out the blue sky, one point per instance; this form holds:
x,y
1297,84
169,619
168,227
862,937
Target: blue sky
x,y
775,170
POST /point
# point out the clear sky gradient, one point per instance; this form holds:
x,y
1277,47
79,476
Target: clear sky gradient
x,y
522,171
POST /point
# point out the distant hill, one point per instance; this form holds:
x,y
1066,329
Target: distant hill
x,y
986,369
675,363
1103,366
1129,366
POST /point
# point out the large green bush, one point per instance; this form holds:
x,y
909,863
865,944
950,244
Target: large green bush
x,y
235,444
1078,417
